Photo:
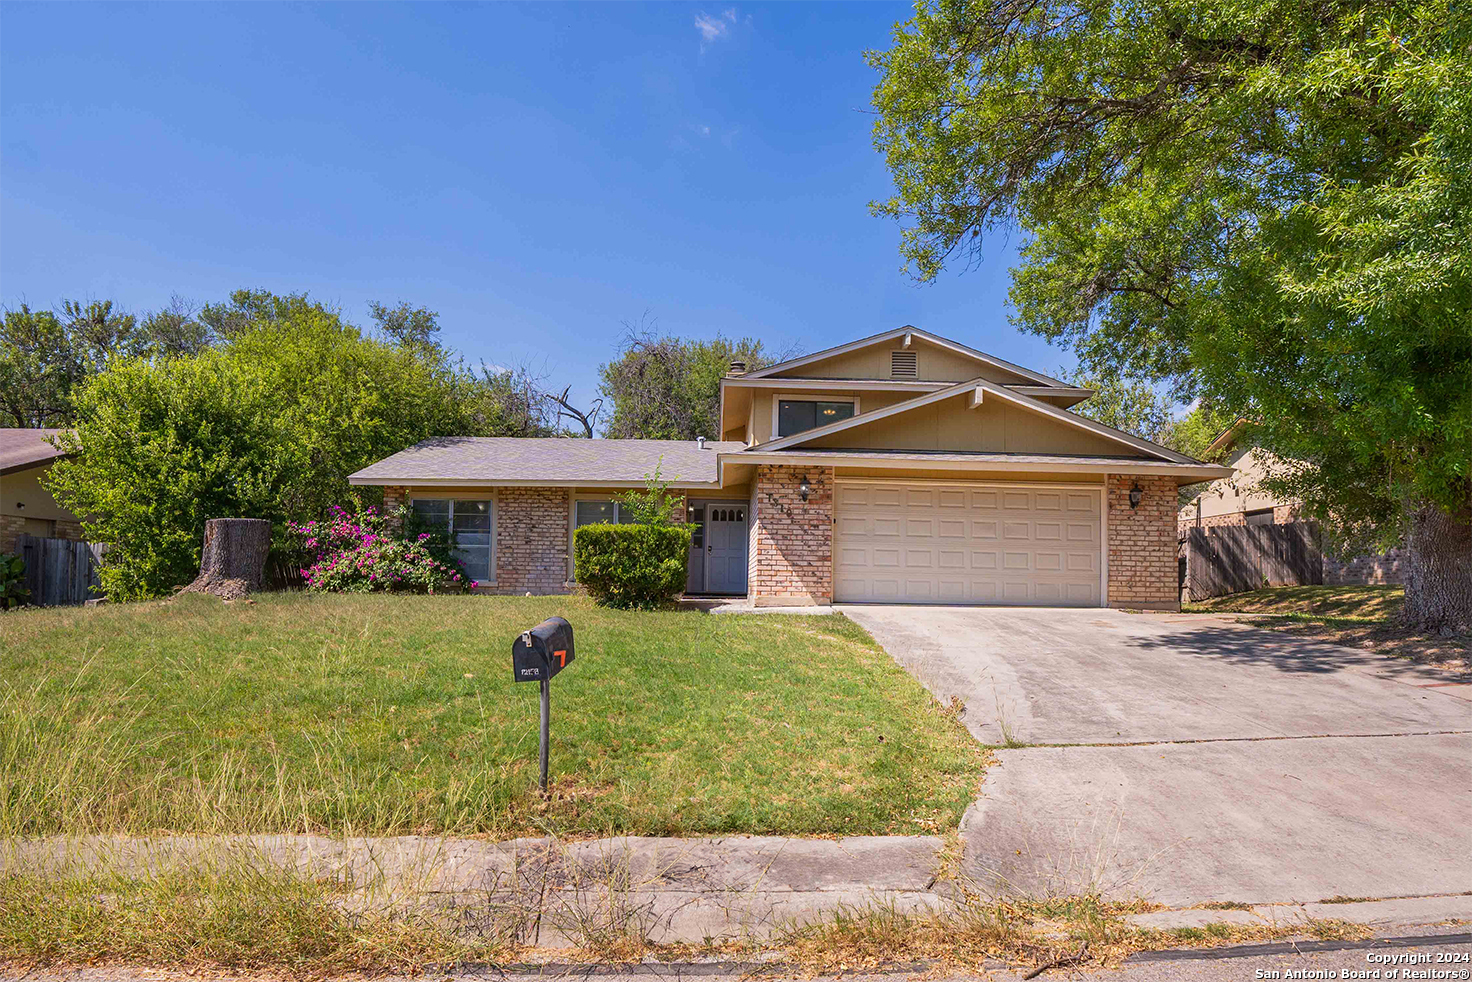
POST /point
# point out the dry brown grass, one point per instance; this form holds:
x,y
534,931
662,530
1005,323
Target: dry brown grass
x,y
225,916
1355,616
1082,931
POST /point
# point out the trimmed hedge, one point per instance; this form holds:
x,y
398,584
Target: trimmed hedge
x,y
632,566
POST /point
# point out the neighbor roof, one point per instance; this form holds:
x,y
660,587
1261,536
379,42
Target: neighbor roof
x,y
544,462
24,448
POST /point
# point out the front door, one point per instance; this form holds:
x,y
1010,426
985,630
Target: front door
x,y
725,548
717,547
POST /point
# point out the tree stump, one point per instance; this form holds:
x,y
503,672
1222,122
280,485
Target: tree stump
x,y
234,559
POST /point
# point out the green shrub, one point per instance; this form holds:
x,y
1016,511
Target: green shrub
x,y
13,590
632,566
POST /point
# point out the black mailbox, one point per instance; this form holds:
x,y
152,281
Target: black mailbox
x,y
539,654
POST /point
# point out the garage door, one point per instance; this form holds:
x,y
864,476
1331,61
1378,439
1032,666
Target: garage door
x,y
974,544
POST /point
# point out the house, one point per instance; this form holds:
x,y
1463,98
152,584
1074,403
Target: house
x,y
1241,500
1238,499
901,468
25,504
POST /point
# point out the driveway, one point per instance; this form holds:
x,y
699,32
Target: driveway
x,y
1189,758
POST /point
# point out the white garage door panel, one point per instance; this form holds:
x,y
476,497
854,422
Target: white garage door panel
x,y
919,544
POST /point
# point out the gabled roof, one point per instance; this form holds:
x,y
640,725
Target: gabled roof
x,y
21,449
547,462
898,332
1229,436
989,389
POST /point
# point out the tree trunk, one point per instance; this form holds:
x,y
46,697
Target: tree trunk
x,y
234,557
1439,574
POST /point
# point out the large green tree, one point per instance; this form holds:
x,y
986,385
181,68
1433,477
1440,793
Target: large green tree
x,y
668,388
46,355
1265,204
266,424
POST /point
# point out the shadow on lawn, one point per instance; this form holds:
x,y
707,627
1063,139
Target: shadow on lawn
x,y
1271,649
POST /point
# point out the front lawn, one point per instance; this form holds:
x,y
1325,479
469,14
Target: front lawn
x,y
387,715
1359,616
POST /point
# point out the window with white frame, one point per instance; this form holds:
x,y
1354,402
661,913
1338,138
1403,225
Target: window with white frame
x,y
593,512
468,522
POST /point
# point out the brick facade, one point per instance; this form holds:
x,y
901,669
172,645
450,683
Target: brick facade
x,y
790,559
1142,543
394,497
1386,568
532,541
11,526
1282,515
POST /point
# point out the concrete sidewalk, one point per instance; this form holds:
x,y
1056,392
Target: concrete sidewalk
x,y
551,893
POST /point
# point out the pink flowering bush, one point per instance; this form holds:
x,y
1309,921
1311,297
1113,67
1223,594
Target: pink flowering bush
x,y
364,553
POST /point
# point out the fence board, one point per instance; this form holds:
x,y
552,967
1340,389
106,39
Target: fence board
x,y
60,571
1236,558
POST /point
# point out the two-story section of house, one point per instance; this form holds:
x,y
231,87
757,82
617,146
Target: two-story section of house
x,y
900,468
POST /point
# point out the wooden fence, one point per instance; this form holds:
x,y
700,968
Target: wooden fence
x,y
60,571
1235,558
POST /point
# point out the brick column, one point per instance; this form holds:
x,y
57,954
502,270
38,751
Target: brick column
x,y
791,555
68,528
11,526
393,498
532,541
1142,544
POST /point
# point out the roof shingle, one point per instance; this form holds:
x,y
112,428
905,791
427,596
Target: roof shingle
x,y
552,460
23,448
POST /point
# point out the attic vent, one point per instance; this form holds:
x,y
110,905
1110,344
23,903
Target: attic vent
x,y
902,365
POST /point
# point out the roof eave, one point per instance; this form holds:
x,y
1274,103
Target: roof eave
x,y
1192,472
359,480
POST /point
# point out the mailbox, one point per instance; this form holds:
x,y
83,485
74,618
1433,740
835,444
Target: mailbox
x,y
539,654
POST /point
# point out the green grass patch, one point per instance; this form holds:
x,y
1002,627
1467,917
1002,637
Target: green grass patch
x,y
1357,616
222,915
397,714
1355,603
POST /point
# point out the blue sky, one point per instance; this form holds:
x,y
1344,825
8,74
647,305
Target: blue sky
x,y
536,174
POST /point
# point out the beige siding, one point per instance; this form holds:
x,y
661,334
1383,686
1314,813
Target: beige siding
x,y
22,495
1235,494
951,425
934,364
969,476
763,402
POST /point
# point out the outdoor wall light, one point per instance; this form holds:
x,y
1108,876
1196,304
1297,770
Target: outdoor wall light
x,y
804,488
1135,493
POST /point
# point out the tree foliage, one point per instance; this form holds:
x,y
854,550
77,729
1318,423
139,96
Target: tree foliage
x,y
668,388
267,424
1126,403
1267,205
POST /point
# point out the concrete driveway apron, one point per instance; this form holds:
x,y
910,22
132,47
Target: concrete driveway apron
x,y
1189,758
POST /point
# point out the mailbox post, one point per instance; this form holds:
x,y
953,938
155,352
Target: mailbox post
x,y
536,656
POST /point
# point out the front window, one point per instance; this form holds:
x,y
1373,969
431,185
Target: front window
x,y
595,512
468,523
797,415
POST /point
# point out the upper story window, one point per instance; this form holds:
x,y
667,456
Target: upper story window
x,y
797,415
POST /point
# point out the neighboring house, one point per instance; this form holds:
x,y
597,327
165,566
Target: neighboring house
x,y
25,505
1240,500
901,468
